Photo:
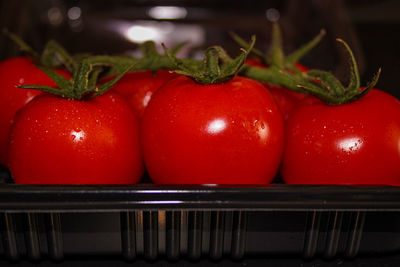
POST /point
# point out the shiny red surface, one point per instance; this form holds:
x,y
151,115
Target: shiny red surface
x,y
138,87
354,143
61,141
229,133
14,72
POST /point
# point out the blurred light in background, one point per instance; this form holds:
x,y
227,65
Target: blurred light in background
x,y
140,33
160,32
75,21
74,13
55,16
167,12
272,14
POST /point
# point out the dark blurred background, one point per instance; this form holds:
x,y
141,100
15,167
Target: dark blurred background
x,y
371,27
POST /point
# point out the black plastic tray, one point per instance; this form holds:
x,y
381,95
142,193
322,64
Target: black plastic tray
x,y
196,222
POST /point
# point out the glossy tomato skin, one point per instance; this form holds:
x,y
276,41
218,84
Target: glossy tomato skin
x,y
285,99
354,143
229,133
138,87
62,141
14,72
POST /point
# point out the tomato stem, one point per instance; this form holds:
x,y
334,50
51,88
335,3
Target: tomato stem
x,y
327,87
53,55
275,56
83,83
21,44
295,56
218,66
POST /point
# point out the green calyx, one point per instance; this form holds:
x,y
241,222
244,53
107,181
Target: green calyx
x,y
82,86
217,65
328,88
53,55
85,74
275,56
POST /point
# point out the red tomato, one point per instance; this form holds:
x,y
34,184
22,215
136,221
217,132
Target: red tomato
x,y
285,98
230,133
139,86
14,72
354,143
61,141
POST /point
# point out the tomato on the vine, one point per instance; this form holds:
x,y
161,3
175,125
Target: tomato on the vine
x,y
138,87
14,72
224,133
350,135
353,143
62,141
76,134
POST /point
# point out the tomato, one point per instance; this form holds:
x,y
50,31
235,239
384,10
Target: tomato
x,y
227,133
285,98
138,87
61,141
353,143
14,72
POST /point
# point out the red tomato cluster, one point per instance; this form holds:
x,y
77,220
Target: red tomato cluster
x,y
236,132
54,140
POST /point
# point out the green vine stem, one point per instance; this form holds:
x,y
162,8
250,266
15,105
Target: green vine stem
x,y
53,55
321,84
275,56
151,60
